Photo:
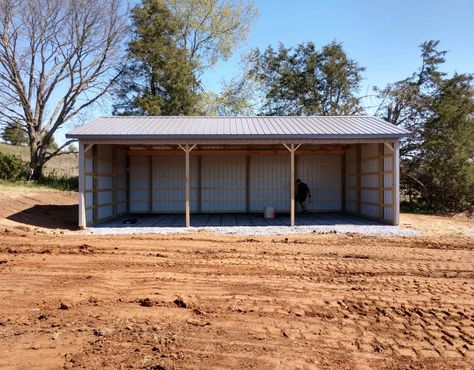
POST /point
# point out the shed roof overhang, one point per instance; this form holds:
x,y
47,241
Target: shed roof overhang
x,y
238,130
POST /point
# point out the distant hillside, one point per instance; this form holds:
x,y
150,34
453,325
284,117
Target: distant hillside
x,y
64,165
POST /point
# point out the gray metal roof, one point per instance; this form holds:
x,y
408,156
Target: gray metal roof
x,y
258,127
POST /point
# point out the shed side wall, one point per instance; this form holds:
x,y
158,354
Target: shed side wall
x,y
374,181
105,182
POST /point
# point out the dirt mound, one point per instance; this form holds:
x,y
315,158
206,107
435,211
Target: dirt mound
x,y
38,208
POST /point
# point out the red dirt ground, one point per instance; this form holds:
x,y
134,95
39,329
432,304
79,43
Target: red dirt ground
x,y
215,301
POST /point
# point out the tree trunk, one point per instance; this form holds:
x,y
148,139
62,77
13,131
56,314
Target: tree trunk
x,y
37,156
36,167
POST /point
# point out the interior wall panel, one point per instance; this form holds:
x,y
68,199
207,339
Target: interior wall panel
x,y
269,183
351,179
121,180
102,172
223,183
139,184
369,195
388,183
322,174
169,184
88,186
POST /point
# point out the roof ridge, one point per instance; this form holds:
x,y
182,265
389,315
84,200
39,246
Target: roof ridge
x,y
245,116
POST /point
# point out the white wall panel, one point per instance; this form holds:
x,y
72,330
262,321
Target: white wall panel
x,y
388,183
269,183
169,179
351,179
369,210
105,211
223,183
102,169
89,216
104,198
139,183
369,181
322,174
88,186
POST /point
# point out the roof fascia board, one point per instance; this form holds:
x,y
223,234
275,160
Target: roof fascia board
x,y
192,138
125,141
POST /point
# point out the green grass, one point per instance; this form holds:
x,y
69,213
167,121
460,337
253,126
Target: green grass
x,y
50,183
47,182
63,166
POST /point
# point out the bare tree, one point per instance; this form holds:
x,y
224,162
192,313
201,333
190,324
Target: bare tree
x,y
57,58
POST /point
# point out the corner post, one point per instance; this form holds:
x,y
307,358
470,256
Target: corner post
x,y
188,216
396,183
82,180
343,181
292,179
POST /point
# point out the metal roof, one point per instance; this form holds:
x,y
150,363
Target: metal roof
x,y
251,127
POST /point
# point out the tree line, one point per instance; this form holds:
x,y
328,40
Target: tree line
x,y
59,58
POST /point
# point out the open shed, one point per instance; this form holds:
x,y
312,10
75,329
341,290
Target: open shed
x,y
195,164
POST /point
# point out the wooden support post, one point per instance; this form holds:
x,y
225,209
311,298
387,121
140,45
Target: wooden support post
x,y
187,149
199,179
150,183
292,150
358,179
114,181
127,160
247,184
343,182
396,183
82,186
381,182
188,216
292,177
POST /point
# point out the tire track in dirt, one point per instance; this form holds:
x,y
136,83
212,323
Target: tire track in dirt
x,y
325,301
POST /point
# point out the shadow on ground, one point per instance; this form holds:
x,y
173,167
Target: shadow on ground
x,y
48,216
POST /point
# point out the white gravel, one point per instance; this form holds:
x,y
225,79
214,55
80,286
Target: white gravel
x,y
369,230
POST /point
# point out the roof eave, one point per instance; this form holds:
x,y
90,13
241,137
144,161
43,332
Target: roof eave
x,y
394,136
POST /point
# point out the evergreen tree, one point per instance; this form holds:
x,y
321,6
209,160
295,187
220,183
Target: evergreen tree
x,y
14,134
446,159
437,162
159,78
305,81
408,103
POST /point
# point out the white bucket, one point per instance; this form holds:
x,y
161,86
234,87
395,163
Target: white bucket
x,y
269,212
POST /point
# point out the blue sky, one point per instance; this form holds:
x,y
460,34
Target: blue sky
x,y
382,35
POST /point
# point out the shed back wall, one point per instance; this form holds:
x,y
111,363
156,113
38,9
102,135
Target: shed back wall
x,y
219,183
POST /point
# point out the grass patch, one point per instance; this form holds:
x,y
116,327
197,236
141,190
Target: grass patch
x,y
415,207
60,182
46,183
